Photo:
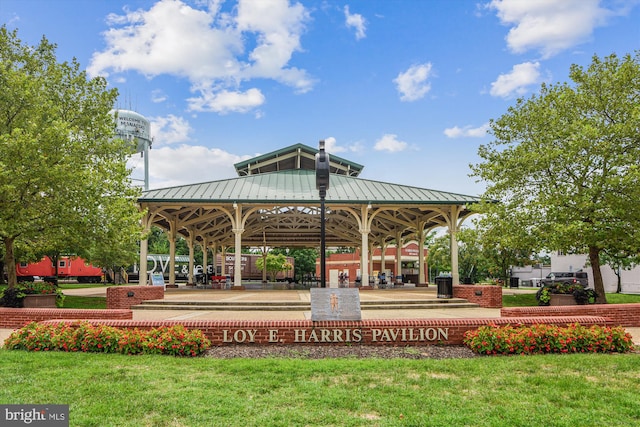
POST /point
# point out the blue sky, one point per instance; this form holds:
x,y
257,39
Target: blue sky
x,y
404,87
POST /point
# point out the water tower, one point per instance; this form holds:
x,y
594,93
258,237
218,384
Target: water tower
x,y
134,127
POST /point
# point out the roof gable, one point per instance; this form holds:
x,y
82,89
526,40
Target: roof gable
x,y
295,157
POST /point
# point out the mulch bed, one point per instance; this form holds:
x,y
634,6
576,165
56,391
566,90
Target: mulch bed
x,y
292,351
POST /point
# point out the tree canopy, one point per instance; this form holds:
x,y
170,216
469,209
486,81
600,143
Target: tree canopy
x,y
564,164
64,184
273,264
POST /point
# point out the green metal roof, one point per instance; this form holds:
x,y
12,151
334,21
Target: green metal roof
x,y
297,156
299,186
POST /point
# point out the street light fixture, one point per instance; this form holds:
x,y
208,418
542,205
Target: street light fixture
x,y
322,185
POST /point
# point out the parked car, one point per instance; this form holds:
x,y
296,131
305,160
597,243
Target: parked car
x,y
567,278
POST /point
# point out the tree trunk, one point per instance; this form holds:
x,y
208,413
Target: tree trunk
x,y
598,285
10,262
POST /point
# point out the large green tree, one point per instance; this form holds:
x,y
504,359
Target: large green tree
x,y
564,164
273,264
304,260
63,176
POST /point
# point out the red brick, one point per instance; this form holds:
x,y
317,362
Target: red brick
x,y
618,314
486,296
18,317
118,296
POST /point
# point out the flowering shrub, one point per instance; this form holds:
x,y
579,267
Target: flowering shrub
x,y
176,340
85,337
542,338
580,293
13,297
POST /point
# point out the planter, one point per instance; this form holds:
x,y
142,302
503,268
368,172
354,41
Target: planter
x,y
39,301
562,299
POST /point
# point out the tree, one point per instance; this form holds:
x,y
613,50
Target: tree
x,y
564,164
472,262
439,255
505,242
619,262
273,264
63,176
304,260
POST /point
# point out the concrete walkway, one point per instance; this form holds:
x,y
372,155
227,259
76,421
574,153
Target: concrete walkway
x,y
184,294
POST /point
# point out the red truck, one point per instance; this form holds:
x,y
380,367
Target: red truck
x,y
69,268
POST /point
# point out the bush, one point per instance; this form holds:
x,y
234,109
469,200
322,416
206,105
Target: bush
x,y
13,297
85,337
580,293
543,338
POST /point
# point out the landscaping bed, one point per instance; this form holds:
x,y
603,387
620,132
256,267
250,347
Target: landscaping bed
x,y
344,351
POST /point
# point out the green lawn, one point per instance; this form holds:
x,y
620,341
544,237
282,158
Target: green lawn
x,y
72,301
82,285
115,390
529,300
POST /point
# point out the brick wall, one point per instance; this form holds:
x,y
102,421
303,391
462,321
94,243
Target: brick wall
x,y
485,296
414,332
124,297
619,314
18,317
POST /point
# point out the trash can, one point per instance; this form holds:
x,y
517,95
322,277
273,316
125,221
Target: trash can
x,y
445,286
514,282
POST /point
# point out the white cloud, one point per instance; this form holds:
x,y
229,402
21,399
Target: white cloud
x,y
467,131
413,84
277,27
331,146
389,142
158,96
357,22
169,130
207,47
517,81
549,26
187,164
225,101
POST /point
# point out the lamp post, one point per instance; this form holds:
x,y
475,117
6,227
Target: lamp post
x,y
322,185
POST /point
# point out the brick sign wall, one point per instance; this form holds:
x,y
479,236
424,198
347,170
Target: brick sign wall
x,y
414,332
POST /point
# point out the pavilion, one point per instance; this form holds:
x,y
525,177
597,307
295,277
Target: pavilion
x,y
274,203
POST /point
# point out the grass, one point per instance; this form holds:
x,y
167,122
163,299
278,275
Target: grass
x,y
82,285
529,300
115,390
73,301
